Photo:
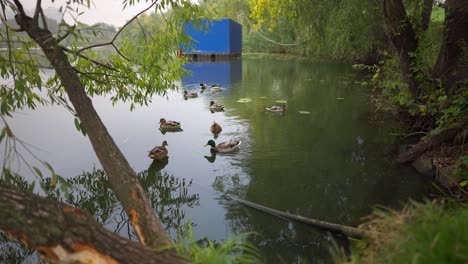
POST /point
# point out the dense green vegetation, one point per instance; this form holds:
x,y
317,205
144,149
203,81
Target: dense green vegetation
x,y
433,232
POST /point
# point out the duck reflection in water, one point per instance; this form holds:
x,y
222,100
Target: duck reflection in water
x,y
158,165
211,158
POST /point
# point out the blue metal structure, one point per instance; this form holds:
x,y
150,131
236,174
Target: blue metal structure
x,y
221,37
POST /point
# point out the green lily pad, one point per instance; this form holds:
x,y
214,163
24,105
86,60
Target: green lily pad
x,y
262,97
304,112
244,100
281,101
339,98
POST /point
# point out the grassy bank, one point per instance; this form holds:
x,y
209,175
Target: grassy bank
x,y
432,232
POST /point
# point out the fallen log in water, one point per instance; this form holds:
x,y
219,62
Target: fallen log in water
x,y
335,228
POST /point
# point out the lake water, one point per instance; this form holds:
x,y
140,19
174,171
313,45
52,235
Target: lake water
x,y
332,164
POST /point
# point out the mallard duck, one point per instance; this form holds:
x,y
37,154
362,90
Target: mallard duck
x,y
191,94
277,109
203,86
216,88
216,107
163,124
216,128
159,152
223,147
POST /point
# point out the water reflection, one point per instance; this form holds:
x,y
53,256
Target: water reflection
x,y
330,164
169,196
223,73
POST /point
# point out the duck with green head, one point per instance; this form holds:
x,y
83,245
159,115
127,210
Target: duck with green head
x,y
224,147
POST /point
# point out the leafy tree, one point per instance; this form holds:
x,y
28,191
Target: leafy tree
x,y
137,69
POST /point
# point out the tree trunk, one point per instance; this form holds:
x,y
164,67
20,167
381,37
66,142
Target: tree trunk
x,y
426,14
65,234
450,66
121,176
403,38
427,144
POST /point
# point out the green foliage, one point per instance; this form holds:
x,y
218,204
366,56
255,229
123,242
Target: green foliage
x,y
461,170
130,69
432,232
232,250
338,29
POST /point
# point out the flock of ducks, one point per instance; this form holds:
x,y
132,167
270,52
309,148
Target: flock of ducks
x,y
160,152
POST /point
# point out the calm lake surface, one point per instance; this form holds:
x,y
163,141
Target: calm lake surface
x,y
332,164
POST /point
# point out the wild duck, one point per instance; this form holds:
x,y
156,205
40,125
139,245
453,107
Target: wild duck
x,y
190,94
216,107
223,147
203,86
216,128
215,88
159,152
277,109
163,124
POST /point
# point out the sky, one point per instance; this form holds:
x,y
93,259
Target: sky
x,y
107,11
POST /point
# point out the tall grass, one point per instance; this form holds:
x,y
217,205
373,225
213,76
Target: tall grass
x,y
235,249
432,232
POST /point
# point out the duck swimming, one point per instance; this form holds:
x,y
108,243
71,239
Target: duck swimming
x,y
163,124
216,107
159,152
223,147
215,88
277,109
190,94
216,128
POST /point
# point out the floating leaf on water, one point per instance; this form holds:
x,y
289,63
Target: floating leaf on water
x,y
304,112
262,97
339,98
281,101
244,100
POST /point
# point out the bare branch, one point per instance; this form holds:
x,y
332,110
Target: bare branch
x,y
119,31
37,11
44,21
20,8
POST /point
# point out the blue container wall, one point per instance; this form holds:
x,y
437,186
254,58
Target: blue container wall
x,y
222,36
235,33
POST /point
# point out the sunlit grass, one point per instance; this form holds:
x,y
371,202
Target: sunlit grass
x,y
235,249
433,232
438,14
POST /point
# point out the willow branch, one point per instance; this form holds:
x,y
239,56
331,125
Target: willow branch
x,y
86,58
60,38
118,32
